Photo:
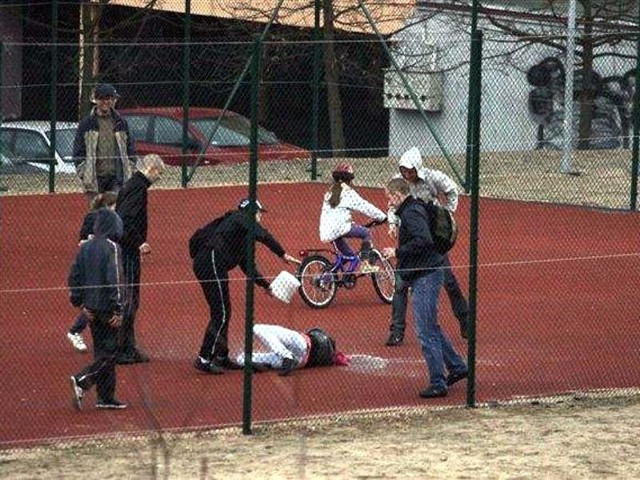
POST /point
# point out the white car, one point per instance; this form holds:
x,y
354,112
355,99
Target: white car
x,y
25,144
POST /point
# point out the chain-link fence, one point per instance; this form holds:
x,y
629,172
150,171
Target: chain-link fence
x,y
556,283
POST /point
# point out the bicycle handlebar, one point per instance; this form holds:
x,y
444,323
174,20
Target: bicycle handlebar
x,y
375,223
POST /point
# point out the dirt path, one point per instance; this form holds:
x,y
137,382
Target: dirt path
x,y
577,439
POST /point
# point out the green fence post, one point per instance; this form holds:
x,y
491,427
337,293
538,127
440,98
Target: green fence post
x,y
467,168
253,181
2,187
317,57
186,61
635,117
53,94
475,86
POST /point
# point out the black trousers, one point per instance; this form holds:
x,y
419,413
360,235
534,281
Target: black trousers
x,y
102,371
213,276
131,259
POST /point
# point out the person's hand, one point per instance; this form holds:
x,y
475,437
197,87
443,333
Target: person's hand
x,y
389,252
116,320
145,249
290,259
393,230
90,314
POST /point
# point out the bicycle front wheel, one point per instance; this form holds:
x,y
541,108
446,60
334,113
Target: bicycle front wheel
x,y
318,287
384,280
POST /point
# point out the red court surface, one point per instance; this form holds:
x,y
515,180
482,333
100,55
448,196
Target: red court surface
x,y
557,312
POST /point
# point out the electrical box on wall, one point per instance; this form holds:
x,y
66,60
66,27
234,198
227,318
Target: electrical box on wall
x,y
427,86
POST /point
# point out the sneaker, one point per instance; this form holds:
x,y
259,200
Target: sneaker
x,y
366,267
78,393
288,366
395,339
433,392
77,341
456,377
112,404
207,367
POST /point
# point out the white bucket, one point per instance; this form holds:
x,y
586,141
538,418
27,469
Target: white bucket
x,y
284,286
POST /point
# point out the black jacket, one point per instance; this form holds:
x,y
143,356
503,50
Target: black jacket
x,y
132,208
229,240
416,254
96,277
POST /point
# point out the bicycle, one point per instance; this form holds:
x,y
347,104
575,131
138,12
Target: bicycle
x,y
321,277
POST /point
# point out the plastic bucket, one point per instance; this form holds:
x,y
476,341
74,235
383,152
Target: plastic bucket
x,y
284,286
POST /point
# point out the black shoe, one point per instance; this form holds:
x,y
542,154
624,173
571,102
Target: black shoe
x,y
433,392
141,357
227,364
259,367
395,339
210,368
288,366
111,404
125,359
456,377
464,325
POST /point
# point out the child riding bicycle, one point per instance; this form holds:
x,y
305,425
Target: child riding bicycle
x,y
336,220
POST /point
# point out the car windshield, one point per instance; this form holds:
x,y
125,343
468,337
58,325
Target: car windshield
x,y
233,131
64,142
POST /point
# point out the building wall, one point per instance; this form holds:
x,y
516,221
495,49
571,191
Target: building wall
x,y
507,123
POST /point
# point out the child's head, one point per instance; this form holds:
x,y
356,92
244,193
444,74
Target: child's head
x,y
343,173
104,200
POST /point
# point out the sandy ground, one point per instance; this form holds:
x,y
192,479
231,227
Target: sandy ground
x,y
568,439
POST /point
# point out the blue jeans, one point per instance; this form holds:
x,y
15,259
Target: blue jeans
x,y
459,304
437,349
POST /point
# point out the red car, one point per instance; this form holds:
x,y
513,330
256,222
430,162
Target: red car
x,y
159,130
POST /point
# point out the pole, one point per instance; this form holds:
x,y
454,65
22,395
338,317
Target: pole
x,y
186,60
475,96
251,240
315,88
467,169
566,163
635,118
53,94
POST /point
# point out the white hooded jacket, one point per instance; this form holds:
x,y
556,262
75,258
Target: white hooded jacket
x,y
336,222
430,184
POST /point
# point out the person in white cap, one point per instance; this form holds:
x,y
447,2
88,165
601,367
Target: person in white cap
x,y
216,249
431,186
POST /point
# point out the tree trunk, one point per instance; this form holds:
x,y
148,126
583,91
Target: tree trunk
x,y
587,92
88,55
332,78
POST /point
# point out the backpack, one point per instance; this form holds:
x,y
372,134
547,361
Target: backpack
x,y
444,229
199,239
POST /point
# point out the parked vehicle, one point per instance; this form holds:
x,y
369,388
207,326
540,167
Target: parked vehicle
x,y
159,130
25,144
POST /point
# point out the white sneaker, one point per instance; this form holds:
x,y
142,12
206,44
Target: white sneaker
x,y
78,393
77,341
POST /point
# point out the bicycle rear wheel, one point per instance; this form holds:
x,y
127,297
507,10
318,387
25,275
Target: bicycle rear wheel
x,y
318,287
384,280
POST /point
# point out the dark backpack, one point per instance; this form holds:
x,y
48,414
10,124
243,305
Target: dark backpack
x,y
199,239
444,229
